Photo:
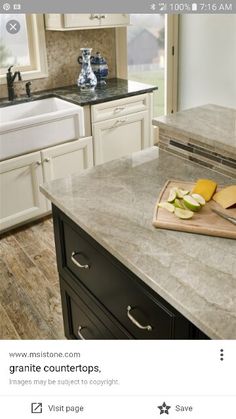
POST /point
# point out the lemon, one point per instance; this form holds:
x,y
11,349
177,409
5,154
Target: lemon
x,y
199,199
166,205
184,214
191,203
172,195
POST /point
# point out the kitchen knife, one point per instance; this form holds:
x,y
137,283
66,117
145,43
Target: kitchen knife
x,y
225,216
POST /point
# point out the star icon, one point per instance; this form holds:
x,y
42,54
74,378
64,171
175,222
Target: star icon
x,y
164,408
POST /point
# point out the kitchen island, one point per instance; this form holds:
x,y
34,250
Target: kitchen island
x,y
188,281
205,134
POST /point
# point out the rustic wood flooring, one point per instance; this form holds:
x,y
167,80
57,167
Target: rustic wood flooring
x,y
30,303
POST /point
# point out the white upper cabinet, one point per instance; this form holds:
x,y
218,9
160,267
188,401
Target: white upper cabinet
x,y
71,21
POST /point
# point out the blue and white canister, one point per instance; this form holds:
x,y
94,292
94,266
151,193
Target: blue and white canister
x,y
100,68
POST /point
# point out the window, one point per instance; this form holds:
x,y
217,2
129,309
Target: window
x,y
146,54
26,49
147,51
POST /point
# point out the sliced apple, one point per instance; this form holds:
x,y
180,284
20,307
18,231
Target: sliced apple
x,y
166,205
191,203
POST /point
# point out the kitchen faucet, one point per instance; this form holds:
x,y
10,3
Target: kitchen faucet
x,y
28,89
10,82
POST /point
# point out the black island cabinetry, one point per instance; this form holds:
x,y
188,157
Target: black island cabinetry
x,y
102,299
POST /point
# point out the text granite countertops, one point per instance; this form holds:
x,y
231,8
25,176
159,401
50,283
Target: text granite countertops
x,y
114,203
114,89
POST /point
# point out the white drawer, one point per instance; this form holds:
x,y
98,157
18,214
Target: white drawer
x,y
120,107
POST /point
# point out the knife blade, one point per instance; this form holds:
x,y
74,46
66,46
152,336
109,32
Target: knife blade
x,y
225,216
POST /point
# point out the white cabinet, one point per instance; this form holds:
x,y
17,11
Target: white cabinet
x,y
85,21
66,159
19,184
117,137
121,127
20,178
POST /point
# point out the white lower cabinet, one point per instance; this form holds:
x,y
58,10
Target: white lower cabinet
x,y
21,200
66,159
117,137
121,127
20,177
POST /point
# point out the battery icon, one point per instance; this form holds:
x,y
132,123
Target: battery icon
x,y
194,7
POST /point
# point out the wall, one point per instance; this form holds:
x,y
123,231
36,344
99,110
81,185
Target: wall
x,y
207,60
63,49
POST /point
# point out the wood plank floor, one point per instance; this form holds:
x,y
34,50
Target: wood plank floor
x,y
30,303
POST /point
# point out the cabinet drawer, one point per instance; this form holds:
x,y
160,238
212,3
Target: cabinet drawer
x,y
94,20
81,317
121,136
81,20
138,311
121,107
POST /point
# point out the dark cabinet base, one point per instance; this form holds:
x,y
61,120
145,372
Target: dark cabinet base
x,y
102,299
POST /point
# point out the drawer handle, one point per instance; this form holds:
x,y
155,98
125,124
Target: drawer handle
x,y
79,332
73,254
119,108
102,16
93,16
135,322
119,122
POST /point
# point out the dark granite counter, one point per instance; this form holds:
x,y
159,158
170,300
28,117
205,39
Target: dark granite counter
x,y
114,89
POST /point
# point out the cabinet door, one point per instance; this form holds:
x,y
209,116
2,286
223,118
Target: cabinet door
x,y
68,158
19,183
81,20
114,19
117,137
83,319
95,20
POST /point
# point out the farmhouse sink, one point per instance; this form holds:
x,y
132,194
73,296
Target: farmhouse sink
x,y
34,125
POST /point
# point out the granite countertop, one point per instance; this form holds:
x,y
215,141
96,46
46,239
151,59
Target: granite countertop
x,y
114,203
211,125
114,89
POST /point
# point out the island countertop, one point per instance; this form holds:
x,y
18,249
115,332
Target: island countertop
x,y
114,203
211,125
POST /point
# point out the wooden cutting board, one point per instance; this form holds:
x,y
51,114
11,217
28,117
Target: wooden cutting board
x,y
203,222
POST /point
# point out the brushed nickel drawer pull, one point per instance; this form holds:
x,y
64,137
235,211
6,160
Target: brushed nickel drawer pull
x,y
73,254
79,332
119,122
135,322
93,16
119,108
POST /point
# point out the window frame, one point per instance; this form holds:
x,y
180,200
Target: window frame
x,y
171,61
37,50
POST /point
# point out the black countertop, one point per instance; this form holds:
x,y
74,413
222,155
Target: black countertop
x,y
114,89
